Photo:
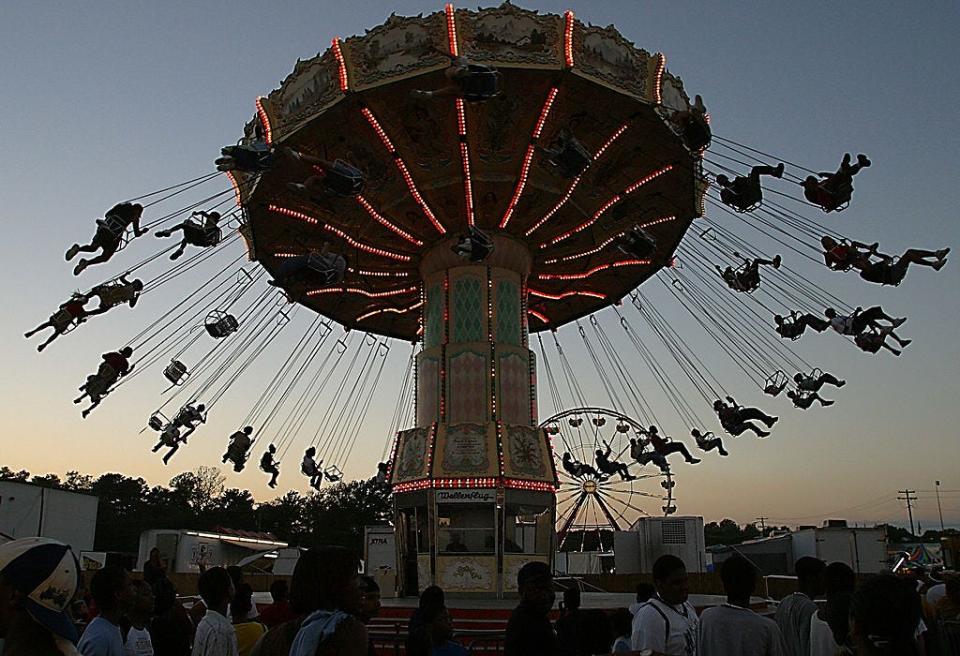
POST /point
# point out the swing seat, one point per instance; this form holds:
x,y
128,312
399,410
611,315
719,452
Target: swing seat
x,y
171,437
744,210
117,228
696,134
264,469
480,83
835,200
211,236
553,429
329,266
623,427
333,474
575,422
255,157
599,421
64,322
638,243
343,180
113,224
745,288
201,235
790,324
176,372
220,324
572,160
308,469
106,375
157,421
773,390
474,246
775,383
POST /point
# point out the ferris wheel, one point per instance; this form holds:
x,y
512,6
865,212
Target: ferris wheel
x,y
603,488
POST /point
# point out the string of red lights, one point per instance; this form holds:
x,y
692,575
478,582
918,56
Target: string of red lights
x,y
607,205
402,167
576,181
528,157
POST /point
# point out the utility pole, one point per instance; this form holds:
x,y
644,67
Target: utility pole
x,y
939,509
909,496
763,526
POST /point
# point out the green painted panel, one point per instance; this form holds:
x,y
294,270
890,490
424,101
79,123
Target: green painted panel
x,y
508,312
469,314
433,316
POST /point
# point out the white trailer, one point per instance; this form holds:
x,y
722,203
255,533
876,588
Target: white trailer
x,y
28,510
863,549
649,538
186,551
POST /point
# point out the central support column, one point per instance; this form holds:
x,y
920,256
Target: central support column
x,y
474,481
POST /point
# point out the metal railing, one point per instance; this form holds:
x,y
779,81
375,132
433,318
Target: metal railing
x,y
391,640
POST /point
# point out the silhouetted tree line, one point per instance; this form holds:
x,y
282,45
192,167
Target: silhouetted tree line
x,y
200,500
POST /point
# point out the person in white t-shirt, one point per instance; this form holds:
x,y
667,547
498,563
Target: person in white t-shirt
x,y
136,635
215,635
830,623
667,624
733,629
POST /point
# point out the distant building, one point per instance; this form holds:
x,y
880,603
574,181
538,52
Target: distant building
x,y
28,510
186,550
863,549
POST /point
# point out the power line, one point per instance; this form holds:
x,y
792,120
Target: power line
x,y
909,496
763,524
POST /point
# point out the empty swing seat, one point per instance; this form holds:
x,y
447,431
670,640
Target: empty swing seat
x,y
572,159
221,324
175,372
480,83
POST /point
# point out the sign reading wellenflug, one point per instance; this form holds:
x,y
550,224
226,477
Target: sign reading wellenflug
x,y
466,496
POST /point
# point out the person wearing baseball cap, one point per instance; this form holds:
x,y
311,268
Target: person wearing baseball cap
x,y
38,580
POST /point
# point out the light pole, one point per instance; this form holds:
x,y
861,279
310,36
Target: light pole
x,y
939,509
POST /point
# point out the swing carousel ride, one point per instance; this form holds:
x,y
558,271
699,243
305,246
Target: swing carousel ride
x,y
469,182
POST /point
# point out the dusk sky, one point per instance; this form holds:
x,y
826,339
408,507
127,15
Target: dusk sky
x,y
108,100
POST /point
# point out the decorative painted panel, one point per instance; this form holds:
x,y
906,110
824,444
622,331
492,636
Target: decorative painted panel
x,y
428,387
672,94
608,57
468,395
511,567
511,34
526,454
465,450
468,320
313,85
401,46
433,315
513,385
467,573
412,457
507,312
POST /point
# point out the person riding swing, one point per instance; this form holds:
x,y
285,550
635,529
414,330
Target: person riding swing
x,y
204,233
744,193
239,448
269,465
109,235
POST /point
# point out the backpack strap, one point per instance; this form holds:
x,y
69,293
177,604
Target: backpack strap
x,y
666,620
